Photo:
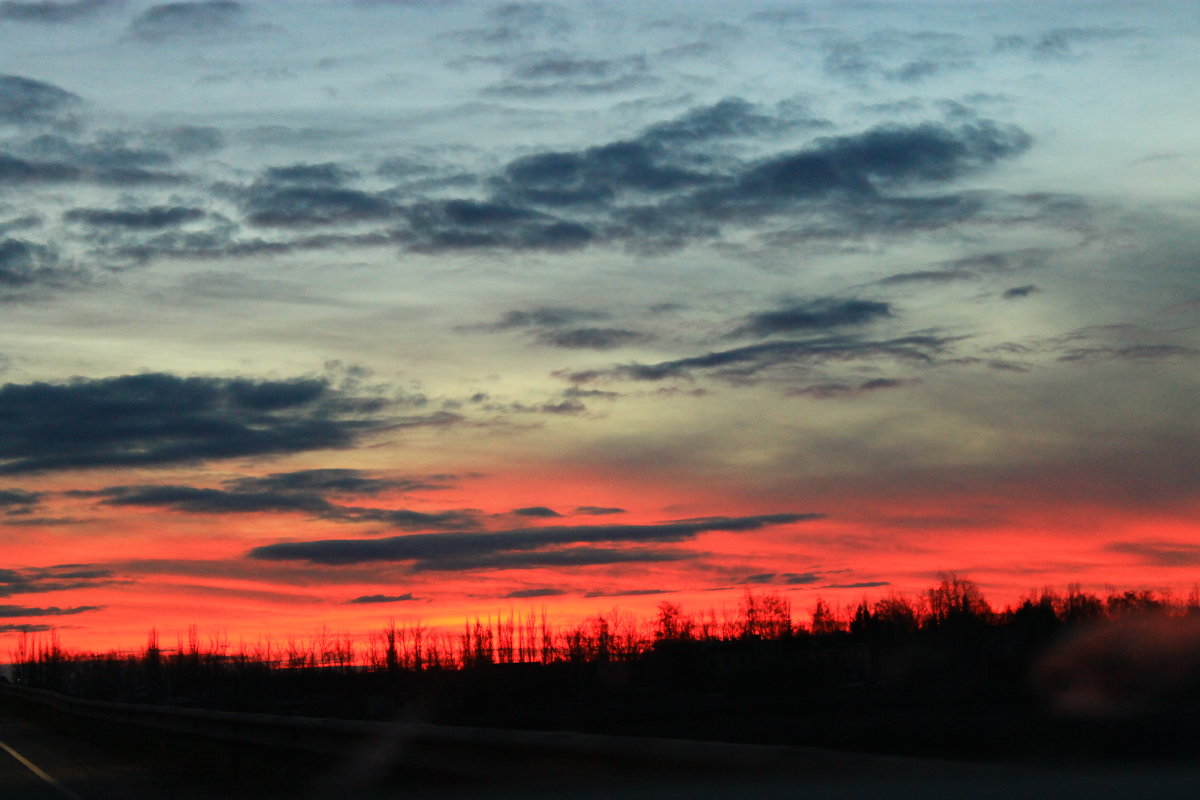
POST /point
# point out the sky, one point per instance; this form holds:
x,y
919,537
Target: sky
x,y
321,314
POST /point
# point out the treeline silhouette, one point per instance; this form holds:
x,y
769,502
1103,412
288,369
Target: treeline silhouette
x,y
942,672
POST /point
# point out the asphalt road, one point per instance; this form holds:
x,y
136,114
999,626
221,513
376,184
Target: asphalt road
x,y
74,768
40,763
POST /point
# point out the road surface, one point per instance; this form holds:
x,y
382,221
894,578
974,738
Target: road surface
x,y
37,763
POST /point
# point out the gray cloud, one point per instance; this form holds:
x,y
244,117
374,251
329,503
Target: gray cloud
x,y
591,338
172,20
1160,554
528,593
285,493
326,174
156,418
598,511
826,391
1133,352
50,12
929,276
550,73
19,171
1017,292
626,593
453,550
535,511
745,362
285,206
26,101
545,317
25,628
859,585
152,218
786,578
51,611
18,497
383,598
335,481
470,225
14,170
565,559
27,267
58,578
189,140
814,315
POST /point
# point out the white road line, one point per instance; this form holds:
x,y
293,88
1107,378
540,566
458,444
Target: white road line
x,y
36,770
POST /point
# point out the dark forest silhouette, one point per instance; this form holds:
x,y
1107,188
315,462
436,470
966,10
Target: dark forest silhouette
x,y
1068,672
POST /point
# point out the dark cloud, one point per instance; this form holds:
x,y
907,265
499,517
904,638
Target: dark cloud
x,y
591,338
535,511
814,315
627,593
930,276
25,628
860,585
545,317
52,611
745,362
730,118
1060,42
212,501
108,153
21,223
19,171
568,558
596,176
1134,352
549,73
564,407
156,418
865,164
283,498
915,71
560,64
786,578
383,598
335,481
50,12
1161,554
172,20
598,511
452,550
284,206
1001,262
58,578
152,218
1017,292
18,497
27,101
27,267
827,391
668,185
327,174
528,593
673,183
470,225
971,267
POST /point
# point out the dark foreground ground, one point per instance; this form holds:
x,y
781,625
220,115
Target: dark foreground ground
x,y
110,763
